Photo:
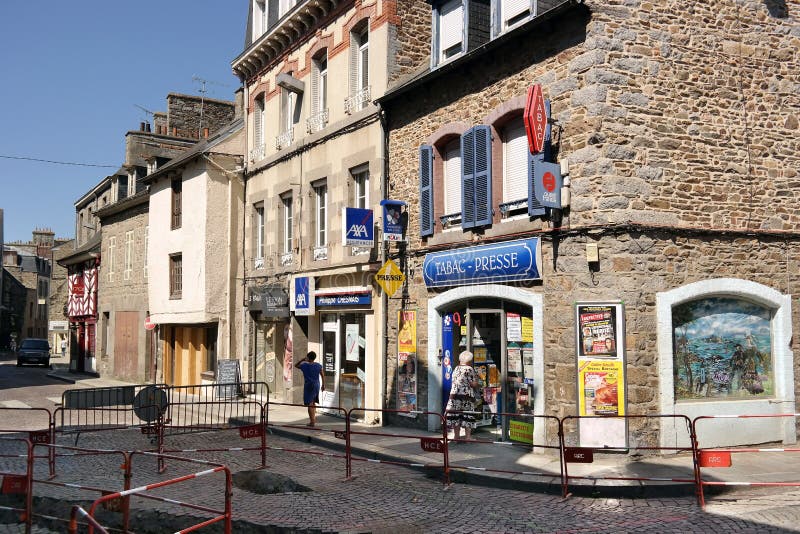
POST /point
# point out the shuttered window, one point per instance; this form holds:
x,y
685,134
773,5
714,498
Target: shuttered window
x,y
175,276
452,178
258,124
515,11
515,161
177,203
476,161
319,85
426,190
451,29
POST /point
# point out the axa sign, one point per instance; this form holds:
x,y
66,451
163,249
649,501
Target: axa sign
x,y
357,229
302,302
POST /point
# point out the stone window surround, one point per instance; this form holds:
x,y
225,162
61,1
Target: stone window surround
x,y
757,431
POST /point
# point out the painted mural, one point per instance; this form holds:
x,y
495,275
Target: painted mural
x,y
723,350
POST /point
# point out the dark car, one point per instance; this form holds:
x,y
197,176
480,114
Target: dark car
x,y
34,350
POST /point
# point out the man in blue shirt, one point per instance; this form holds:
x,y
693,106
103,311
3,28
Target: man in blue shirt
x,y
314,380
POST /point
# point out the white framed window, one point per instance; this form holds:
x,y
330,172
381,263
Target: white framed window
x,y
451,167
321,216
112,249
288,223
450,26
146,246
287,110
360,176
515,161
259,18
284,6
260,233
514,12
128,255
363,59
319,85
258,128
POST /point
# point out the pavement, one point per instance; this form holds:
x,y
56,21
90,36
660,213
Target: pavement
x,y
496,487
504,465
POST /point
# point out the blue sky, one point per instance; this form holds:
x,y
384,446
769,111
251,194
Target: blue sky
x,y
71,74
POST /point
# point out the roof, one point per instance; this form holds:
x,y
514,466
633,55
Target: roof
x,y
121,205
89,250
204,146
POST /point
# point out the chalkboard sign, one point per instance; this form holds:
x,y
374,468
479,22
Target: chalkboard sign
x,y
229,378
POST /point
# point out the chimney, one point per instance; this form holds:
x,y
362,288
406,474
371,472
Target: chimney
x,y
205,133
141,126
147,127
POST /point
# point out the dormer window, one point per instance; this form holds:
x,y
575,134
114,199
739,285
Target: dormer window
x,y
459,26
513,13
450,21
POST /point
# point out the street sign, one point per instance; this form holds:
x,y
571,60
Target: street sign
x,y
148,324
535,119
390,277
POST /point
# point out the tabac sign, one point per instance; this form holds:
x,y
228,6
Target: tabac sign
x,y
500,262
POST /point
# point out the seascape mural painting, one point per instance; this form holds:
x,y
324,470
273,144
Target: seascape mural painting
x,y
723,350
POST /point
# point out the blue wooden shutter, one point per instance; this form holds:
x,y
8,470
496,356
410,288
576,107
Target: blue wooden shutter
x,y
483,175
468,179
535,209
425,190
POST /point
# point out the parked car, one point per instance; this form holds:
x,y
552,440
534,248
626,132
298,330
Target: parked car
x,y
33,350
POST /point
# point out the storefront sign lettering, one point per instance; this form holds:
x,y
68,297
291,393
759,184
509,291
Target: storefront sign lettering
x,y
503,262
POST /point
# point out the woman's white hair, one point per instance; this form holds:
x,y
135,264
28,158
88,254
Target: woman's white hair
x,y
465,357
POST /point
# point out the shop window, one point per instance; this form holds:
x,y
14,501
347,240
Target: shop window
x,y
722,350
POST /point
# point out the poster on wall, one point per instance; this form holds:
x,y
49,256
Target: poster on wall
x,y
513,327
288,356
407,362
600,374
722,350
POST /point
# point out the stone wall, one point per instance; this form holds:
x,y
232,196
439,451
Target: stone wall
x,y
184,115
409,39
680,125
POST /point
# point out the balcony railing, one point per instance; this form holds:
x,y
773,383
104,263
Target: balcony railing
x,y
320,253
317,122
287,259
285,139
357,100
257,153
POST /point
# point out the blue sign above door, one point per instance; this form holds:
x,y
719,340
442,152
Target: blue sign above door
x,y
500,262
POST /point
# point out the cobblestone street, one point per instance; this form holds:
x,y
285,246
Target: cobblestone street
x,y
383,498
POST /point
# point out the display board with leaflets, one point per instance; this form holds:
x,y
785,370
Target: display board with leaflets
x,y
229,380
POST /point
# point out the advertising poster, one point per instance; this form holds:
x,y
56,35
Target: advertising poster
x,y
513,327
597,330
392,220
527,330
288,356
602,389
406,381
351,342
407,331
514,360
447,358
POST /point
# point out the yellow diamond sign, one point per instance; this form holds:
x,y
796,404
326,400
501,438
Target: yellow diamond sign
x,y
390,278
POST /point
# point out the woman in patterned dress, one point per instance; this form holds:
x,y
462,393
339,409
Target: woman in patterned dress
x,y
462,397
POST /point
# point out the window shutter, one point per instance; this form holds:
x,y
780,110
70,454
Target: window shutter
x,y
426,190
258,125
512,8
315,74
468,179
483,175
364,70
535,209
353,63
451,24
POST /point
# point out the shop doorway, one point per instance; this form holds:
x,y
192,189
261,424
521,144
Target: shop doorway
x,y
500,336
344,360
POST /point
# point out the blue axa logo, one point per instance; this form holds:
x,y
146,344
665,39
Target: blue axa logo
x,y
358,230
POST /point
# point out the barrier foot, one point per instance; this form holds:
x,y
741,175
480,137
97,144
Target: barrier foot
x,y
565,497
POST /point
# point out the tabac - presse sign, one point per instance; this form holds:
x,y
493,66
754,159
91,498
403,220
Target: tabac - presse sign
x,y
390,277
501,262
302,302
357,228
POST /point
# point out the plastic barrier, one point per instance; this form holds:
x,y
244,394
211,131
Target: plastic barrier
x,y
586,454
427,443
722,457
337,433
16,482
524,445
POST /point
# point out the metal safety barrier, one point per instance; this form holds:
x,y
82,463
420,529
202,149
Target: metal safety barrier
x,y
427,443
43,434
73,520
524,442
14,482
722,457
585,454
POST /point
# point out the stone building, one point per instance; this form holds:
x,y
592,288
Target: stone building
x,y
316,163
660,279
58,321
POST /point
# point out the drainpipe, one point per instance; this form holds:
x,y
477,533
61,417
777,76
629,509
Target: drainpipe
x,y
384,255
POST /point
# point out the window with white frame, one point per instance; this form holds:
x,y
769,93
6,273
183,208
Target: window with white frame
x,y
287,110
288,223
259,18
359,68
259,227
284,6
128,255
513,12
360,176
319,84
451,172
450,29
515,161
175,276
321,218
258,128
112,248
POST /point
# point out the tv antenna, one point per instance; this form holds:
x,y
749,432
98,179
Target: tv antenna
x,y
203,91
150,114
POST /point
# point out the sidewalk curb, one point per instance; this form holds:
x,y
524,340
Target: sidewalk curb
x,y
594,488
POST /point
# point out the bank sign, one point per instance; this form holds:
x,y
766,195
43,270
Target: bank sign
x,y
357,230
512,261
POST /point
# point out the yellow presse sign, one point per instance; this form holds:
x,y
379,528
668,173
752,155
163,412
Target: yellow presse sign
x,y
390,277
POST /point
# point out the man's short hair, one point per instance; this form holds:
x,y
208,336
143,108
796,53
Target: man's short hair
x,y
312,356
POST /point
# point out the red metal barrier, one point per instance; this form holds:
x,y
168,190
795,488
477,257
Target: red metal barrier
x,y
20,483
514,444
722,457
43,435
427,443
585,454
73,520
339,434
